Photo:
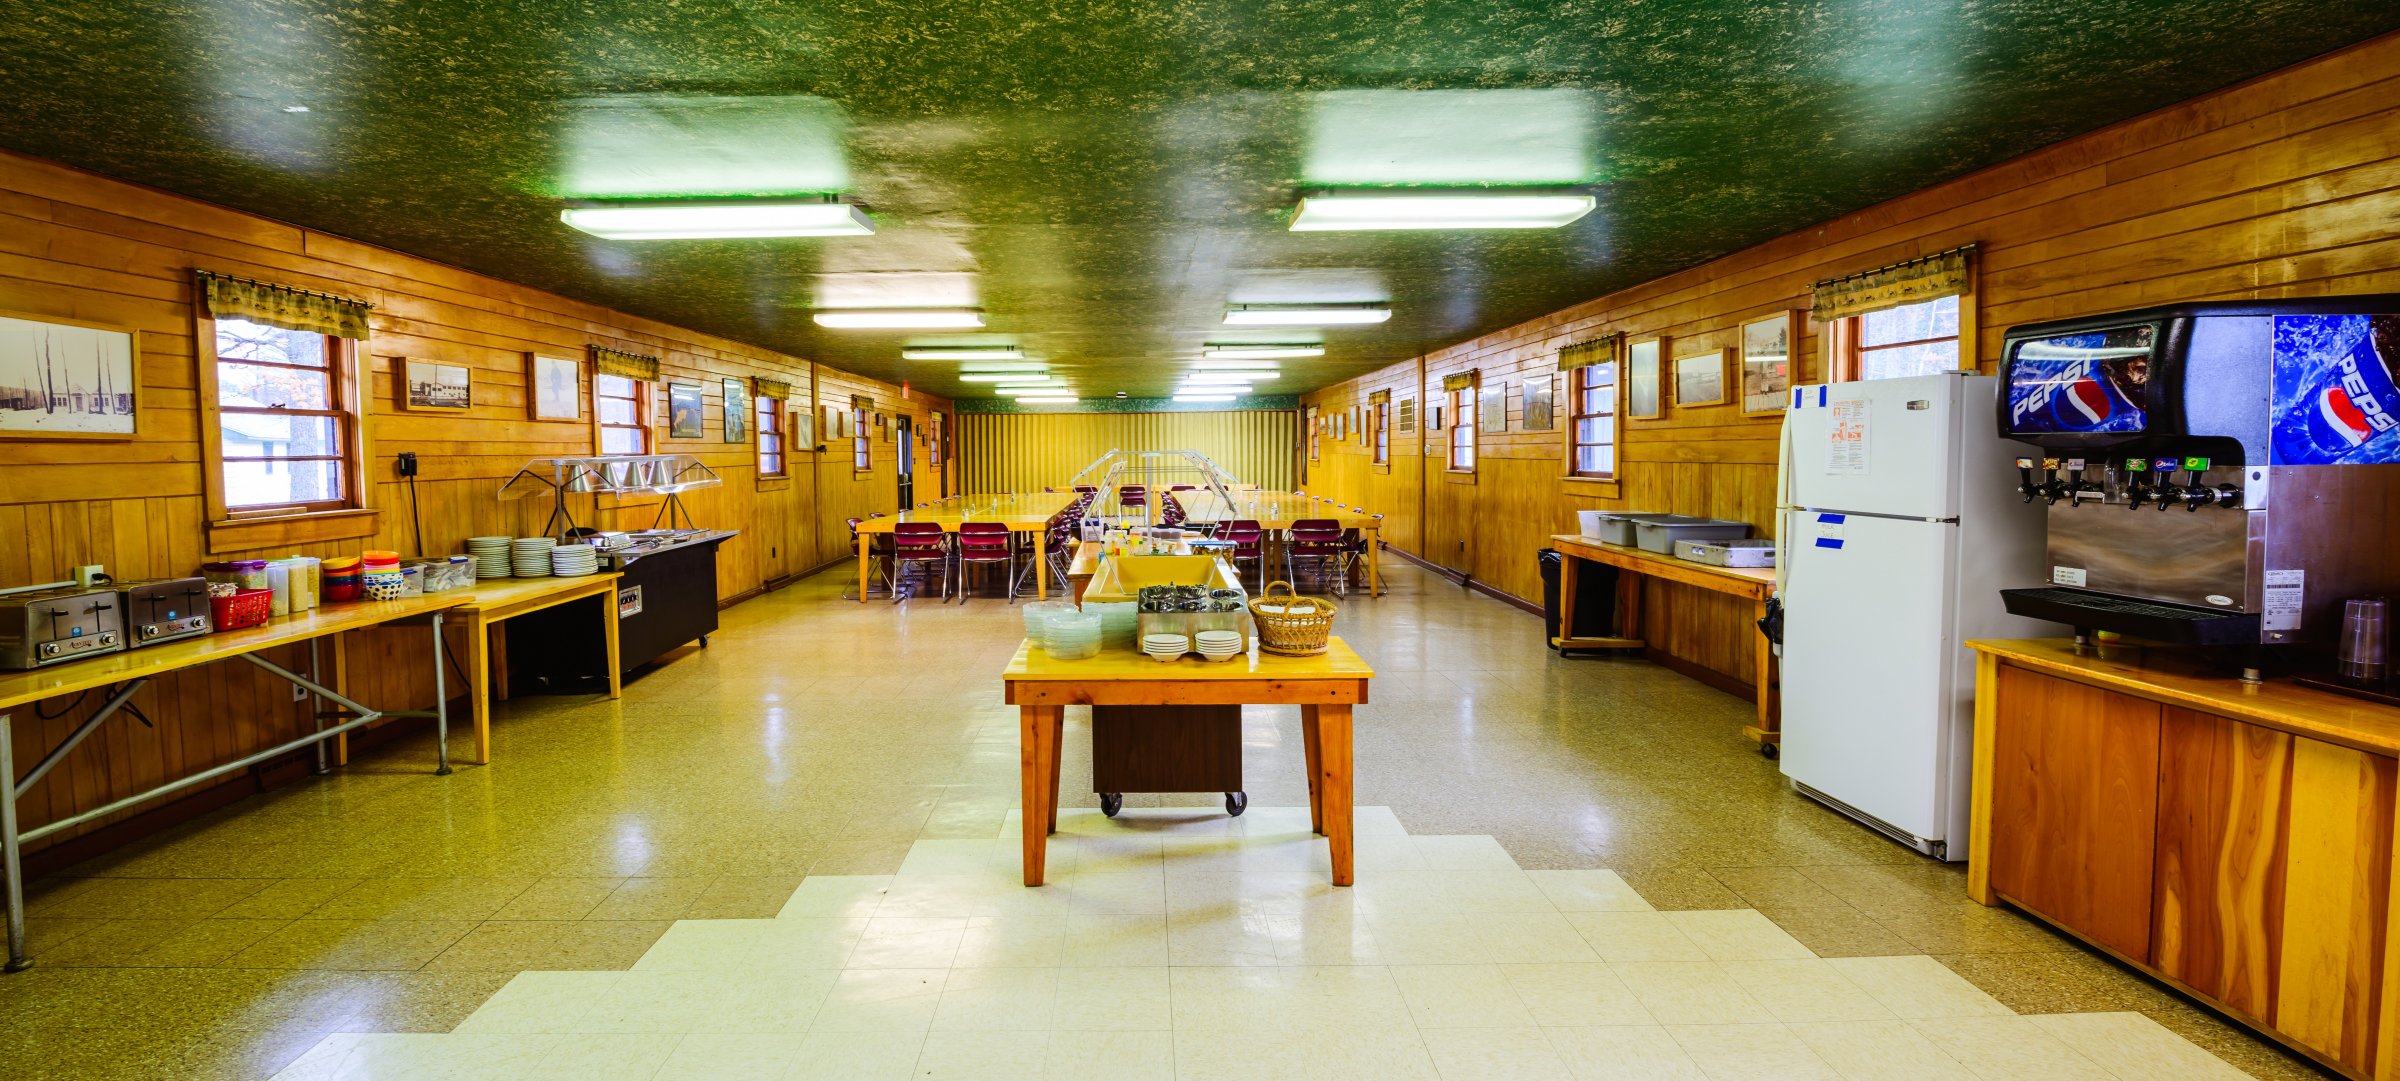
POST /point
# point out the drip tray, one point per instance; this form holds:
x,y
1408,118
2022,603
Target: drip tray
x,y
2158,621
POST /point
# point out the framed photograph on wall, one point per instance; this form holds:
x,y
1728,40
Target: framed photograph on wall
x,y
1406,410
1700,378
554,387
1491,402
432,386
737,410
1644,381
67,379
1539,392
1767,346
686,414
802,438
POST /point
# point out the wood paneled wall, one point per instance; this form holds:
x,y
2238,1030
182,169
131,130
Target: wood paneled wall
x,y
1025,452
2284,186
78,245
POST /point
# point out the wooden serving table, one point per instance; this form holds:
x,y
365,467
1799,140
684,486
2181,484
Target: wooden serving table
x,y
494,601
2235,840
124,674
1754,584
1020,513
1276,511
1324,687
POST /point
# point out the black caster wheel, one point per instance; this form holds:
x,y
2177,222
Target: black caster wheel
x,y
1769,751
1111,803
1236,803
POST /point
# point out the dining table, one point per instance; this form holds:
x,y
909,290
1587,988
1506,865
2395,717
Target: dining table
x,y
1021,512
1276,511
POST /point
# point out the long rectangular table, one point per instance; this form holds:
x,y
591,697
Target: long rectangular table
x,y
1751,583
124,674
1325,687
497,600
1276,511
1020,513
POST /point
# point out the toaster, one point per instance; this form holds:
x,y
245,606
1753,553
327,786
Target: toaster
x,y
52,626
163,609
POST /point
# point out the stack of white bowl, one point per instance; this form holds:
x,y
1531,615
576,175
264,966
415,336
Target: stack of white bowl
x,y
574,560
1220,645
530,556
491,556
1166,647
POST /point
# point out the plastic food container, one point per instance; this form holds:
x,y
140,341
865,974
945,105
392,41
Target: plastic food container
x,y
1617,527
242,574
1750,552
1658,533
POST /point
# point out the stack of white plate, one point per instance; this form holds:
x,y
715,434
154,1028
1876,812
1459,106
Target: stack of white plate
x,y
1166,647
530,556
574,560
1220,645
491,556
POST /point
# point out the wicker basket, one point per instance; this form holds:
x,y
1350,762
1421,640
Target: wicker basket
x,y
1291,632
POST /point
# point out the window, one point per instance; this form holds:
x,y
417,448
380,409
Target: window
x,y
286,427
623,406
770,437
862,448
1462,428
1380,418
1912,339
1594,424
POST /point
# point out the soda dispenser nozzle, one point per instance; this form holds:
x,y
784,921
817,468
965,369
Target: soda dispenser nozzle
x,y
2026,485
2169,493
2076,486
2137,492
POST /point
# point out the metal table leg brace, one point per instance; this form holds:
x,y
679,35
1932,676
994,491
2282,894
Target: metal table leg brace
x,y
12,842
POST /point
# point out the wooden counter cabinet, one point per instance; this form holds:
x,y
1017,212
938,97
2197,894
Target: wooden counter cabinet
x,y
2242,853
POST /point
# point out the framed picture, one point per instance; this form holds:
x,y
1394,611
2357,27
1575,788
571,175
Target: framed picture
x,y
1341,423
686,416
802,436
1539,392
1700,378
556,387
1767,362
1643,379
67,379
1406,410
737,410
434,386
1491,405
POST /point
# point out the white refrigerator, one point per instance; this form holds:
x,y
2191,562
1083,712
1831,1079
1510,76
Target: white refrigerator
x,y
1901,524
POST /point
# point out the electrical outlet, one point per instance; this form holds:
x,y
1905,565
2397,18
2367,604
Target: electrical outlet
x,y
89,576
299,693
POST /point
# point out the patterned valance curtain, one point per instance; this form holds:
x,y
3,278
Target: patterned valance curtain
x,y
862,401
770,388
1941,274
230,297
617,362
1591,351
1460,381
1379,397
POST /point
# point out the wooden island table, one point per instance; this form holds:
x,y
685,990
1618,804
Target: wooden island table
x,y
1324,687
1020,513
1754,584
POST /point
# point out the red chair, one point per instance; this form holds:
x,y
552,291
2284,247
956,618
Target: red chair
x,y
986,544
1318,540
1132,495
880,552
921,545
1056,550
1249,541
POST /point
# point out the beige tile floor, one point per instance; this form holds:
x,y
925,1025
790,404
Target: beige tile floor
x,y
793,851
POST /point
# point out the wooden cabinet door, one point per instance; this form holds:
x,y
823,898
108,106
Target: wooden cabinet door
x,y
2224,799
2075,778
2336,898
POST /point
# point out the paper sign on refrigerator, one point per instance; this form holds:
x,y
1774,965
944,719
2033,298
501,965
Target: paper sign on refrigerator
x,y
1846,438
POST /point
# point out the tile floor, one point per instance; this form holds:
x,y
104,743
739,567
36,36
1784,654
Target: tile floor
x,y
791,854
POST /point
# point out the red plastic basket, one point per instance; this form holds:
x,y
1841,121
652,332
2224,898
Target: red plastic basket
x,y
247,608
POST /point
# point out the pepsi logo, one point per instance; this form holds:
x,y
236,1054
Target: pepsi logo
x,y
2342,417
2089,400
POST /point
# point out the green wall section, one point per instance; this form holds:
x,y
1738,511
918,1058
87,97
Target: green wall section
x,y
1131,405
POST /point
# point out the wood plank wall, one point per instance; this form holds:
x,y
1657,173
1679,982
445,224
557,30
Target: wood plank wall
x,y
1024,452
79,245
2284,186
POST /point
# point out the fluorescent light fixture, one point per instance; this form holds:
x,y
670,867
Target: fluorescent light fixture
x,y
703,220
990,369
1022,393
1048,400
960,352
899,318
1469,208
1204,397
1263,367
1005,377
1225,379
1229,351
1306,315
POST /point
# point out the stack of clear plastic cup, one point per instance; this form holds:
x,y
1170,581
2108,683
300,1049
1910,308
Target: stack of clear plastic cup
x,y
1037,621
1072,635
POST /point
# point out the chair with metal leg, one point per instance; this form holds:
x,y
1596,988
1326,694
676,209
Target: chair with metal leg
x,y
1317,541
923,547
983,545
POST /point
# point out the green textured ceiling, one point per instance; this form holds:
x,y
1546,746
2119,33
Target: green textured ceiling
x,y
1102,178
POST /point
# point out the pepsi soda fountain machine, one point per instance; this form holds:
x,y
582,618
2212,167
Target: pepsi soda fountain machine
x,y
2217,474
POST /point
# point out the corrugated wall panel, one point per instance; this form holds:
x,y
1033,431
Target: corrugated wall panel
x,y
1021,452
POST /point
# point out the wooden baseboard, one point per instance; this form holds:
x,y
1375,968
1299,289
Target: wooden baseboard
x,y
1701,674
1506,598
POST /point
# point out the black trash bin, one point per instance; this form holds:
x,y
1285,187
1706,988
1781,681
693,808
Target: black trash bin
x,y
1595,597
